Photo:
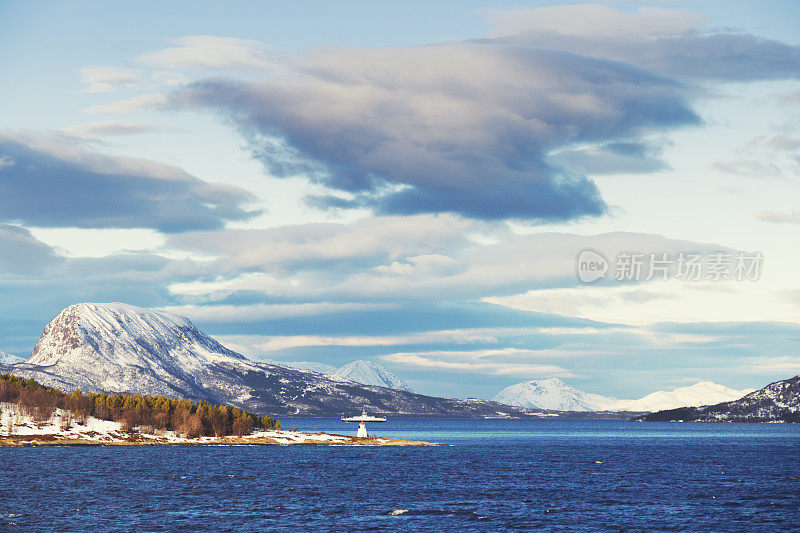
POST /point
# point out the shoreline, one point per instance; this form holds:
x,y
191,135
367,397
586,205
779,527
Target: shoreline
x,y
274,438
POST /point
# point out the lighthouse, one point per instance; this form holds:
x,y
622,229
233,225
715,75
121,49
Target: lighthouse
x,y
362,428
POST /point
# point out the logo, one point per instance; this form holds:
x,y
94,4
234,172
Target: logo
x,y
591,266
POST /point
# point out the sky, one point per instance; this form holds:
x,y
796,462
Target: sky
x,y
472,194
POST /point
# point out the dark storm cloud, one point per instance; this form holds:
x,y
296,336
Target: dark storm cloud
x,y
55,182
462,127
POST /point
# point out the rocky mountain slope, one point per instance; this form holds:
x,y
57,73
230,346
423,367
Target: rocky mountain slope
x,y
555,394
121,348
369,373
777,402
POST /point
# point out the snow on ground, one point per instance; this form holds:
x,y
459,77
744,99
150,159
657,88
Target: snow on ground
x,y
297,437
17,422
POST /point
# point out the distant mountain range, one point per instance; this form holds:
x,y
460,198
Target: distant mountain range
x,y
364,372
8,359
122,348
556,395
777,402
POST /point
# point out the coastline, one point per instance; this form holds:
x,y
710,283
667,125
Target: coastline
x,y
271,438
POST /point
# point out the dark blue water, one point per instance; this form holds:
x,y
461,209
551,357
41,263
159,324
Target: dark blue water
x,y
499,474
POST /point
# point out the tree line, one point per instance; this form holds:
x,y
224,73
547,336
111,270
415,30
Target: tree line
x,y
133,411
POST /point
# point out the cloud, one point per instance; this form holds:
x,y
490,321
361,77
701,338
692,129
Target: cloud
x,y
779,217
22,253
110,129
660,301
784,365
129,105
402,258
334,247
55,181
461,127
254,313
753,168
664,41
594,22
765,157
520,369
103,79
612,158
210,52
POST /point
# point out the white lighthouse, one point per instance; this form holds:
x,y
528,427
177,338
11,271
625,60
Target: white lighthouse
x,y
364,417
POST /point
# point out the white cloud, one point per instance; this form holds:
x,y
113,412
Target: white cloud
x,y
595,21
103,79
109,129
410,257
252,313
781,365
208,51
271,343
129,105
500,369
662,301
6,161
779,217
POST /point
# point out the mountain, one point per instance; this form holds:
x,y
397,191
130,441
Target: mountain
x,y
8,359
552,394
557,395
369,373
122,348
777,402
702,393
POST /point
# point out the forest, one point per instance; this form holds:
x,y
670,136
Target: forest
x,y
134,412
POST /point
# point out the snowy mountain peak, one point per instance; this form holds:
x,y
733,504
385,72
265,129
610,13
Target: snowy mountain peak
x,y
554,394
701,393
121,334
369,373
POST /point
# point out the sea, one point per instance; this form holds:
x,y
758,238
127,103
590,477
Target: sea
x,y
494,475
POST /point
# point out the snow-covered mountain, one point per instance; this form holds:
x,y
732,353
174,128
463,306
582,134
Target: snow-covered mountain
x,y
122,348
552,394
8,359
557,395
777,402
702,393
369,373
